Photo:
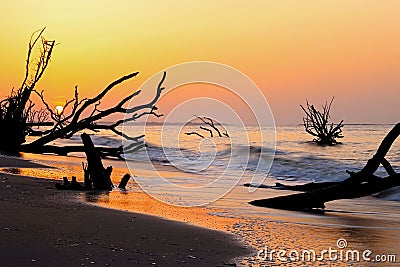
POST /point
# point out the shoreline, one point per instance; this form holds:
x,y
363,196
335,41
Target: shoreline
x,y
43,225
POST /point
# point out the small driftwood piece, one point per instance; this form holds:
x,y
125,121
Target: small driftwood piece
x,y
359,184
73,185
124,181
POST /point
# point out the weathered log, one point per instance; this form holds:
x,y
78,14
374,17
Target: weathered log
x,y
124,181
301,187
362,183
65,150
96,172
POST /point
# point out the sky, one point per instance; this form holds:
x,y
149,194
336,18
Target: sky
x,y
293,50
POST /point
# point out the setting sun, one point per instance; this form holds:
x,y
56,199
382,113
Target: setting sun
x,y
59,110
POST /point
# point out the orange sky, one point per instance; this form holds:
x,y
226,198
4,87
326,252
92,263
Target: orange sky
x,y
292,49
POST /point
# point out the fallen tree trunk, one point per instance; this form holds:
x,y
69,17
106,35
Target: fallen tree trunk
x,y
63,150
116,152
362,183
301,187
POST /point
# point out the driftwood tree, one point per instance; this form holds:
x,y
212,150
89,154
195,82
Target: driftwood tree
x,y
317,124
17,118
17,110
66,125
359,184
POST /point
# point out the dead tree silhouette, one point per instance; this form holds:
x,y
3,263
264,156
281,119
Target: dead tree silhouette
x,y
317,124
17,110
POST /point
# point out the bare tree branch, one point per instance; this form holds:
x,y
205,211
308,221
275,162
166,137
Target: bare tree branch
x,y
208,130
66,128
208,121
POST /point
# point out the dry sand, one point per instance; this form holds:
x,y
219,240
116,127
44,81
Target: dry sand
x,y
46,227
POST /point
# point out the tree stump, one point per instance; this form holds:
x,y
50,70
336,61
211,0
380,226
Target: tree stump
x,y
95,171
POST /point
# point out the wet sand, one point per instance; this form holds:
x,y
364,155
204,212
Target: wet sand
x,y
43,226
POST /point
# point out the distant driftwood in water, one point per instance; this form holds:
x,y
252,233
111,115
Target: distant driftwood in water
x,y
362,183
317,124
213,128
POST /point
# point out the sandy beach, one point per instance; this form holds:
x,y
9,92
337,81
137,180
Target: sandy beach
x,y
41,225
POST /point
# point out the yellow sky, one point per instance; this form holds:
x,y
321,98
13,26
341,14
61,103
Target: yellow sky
x,y
292,49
